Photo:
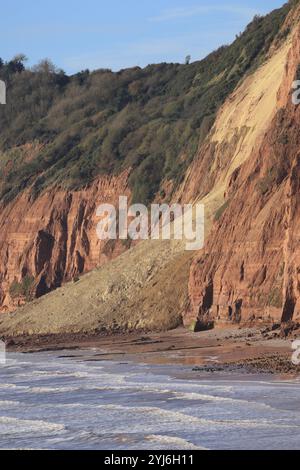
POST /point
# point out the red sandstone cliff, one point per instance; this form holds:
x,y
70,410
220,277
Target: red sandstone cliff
x,y
250,267
53,238
246,174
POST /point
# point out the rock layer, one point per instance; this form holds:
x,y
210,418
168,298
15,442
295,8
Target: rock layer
x,y
250,267
53,239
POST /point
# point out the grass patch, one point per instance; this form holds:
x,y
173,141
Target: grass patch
x,y
22,289
221,211
275,297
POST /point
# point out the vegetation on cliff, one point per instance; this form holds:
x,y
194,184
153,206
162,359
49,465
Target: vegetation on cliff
x,y
91,123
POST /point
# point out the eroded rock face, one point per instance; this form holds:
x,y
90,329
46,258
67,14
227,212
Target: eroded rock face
x,y
247,175
53,238
250,267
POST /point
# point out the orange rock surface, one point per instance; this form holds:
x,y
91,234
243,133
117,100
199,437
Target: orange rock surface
x,y
249,270
53,238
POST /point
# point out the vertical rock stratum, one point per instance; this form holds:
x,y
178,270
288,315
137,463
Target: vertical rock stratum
x,y
249,269
53,239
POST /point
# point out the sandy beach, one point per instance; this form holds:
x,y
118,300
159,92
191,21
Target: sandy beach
x,y
260,349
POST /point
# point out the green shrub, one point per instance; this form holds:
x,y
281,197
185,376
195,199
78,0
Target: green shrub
x,y
221,211
15,289
23,288
274,176
275,297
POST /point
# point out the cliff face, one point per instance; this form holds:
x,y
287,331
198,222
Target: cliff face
x,y
250,267
53,238
245,172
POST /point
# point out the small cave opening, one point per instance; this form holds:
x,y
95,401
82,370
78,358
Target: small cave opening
x,y
288,310
42,288
234,313
238,310
208,297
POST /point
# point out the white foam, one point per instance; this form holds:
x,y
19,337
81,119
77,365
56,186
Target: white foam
x,y
213,398
172,443
8,403
187,419
9,425
11,386
53,389
52,374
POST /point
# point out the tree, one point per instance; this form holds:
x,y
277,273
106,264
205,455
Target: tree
x,y
20,58
45,66
187,59
16,65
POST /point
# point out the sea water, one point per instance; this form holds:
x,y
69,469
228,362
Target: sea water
x,y
55,400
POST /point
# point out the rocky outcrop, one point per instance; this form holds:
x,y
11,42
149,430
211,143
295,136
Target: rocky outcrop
x,y
250,267
52,239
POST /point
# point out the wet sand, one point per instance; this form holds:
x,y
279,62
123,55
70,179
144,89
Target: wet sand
x,y
215,350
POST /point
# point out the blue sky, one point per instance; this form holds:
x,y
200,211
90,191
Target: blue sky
x,y
121,33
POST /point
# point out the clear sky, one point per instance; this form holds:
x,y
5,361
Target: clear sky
x,y
121,33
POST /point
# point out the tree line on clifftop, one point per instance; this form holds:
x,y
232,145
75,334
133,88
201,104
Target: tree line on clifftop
x,y
102,122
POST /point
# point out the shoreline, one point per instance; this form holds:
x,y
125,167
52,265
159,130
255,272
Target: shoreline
x,y
251,350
